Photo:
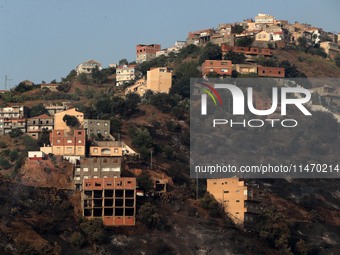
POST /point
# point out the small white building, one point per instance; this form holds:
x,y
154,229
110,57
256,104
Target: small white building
x,y
125,73
88,66
36,155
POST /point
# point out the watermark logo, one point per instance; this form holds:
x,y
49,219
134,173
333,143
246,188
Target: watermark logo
x,y
238,99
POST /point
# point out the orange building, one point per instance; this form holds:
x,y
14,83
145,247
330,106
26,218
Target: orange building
x,y
106,149
159,80
264,71
111,199
246,50
60,124
221,67
146,52
67,143
239,199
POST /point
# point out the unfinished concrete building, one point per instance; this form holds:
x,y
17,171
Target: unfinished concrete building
x,y
111,199
91,168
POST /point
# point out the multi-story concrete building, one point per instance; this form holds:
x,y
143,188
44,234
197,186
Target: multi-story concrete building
x,y
240,200
87,67
221,67
265,19
13,112
106,149
67,143
200,36
13,117
88,168
60,124
55,108
146,52
36,125
9,124
111,199
94,127
332,49
159,80
125,73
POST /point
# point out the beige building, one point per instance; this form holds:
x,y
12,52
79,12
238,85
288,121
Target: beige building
x,y
87,67
139,87
240,200
60,124
330,48
265,19
106,149
245,68
159,79
263,36
124,74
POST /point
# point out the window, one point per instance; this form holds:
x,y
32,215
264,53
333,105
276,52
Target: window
x,y
95,150
79,141
237,191
58,141
95,169
85,169
69,141
226,191
237,201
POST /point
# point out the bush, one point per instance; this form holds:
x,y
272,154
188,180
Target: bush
x,y
94,229
15,133
4,163
77,239
209,203
337,59
3,144
13,155
148,215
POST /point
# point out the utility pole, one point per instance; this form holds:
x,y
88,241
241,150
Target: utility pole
x,y
6,80
151,159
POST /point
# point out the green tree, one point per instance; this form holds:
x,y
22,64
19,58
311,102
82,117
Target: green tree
x,y
16,132
337,59
131,103
235,57
148,215
302,41
71,121
83,78
181,82
96,75
210,52
123,61
38,110
291,71
245,41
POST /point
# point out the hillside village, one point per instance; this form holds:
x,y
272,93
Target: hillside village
x,y
117,138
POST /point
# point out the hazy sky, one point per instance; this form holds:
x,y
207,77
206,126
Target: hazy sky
x,y
46,39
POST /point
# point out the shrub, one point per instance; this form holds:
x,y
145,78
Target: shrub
x,y
3,145
77,239
4,163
